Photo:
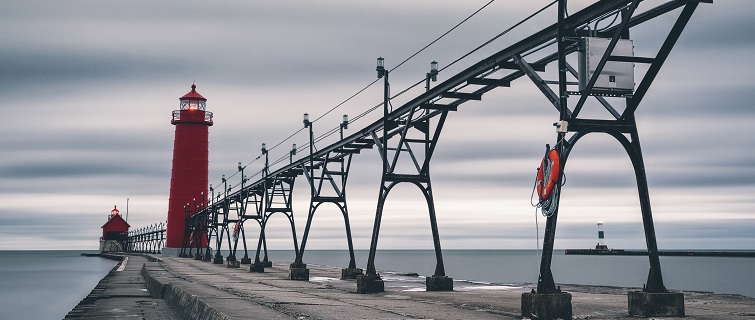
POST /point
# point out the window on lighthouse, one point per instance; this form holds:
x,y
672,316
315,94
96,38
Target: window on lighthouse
x,y
192,105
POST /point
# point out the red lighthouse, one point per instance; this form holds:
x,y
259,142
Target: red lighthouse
x,y
114,232
189,177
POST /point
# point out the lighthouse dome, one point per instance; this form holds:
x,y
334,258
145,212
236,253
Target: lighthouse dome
x,y
193,94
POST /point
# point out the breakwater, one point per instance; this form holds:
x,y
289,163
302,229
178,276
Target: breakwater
x,y
671,253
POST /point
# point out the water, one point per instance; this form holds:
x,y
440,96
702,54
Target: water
x,y
517,267
46,284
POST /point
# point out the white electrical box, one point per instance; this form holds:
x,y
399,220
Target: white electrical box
x,y
617,78
562,126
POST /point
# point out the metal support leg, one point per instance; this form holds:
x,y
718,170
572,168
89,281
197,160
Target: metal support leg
x,y
545,283
655,278
245,259
298,263
259,266
352,260
439,281
293,233
371,281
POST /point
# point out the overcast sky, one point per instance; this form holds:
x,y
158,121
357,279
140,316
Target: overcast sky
x,y
87,91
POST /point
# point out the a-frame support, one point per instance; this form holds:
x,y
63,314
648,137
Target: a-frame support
x,y
221,221
278,197
414,141
245,198
195,232
654,299
212,219
327,180
186,243
241,201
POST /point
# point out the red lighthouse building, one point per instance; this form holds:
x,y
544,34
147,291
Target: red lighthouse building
x,y
189,177
114,232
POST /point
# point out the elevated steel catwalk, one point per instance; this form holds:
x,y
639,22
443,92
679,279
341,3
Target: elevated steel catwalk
x,y
499,70
504,59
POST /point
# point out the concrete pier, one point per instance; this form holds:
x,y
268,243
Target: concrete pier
x,y
200,290
122,294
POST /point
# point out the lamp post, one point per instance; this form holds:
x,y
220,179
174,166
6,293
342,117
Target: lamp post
x,y
225,185
206,226
218,259
292,153
432,75
308,124
243,178
371,281
213,221
383,73
212,194
344,124
265,171
196,227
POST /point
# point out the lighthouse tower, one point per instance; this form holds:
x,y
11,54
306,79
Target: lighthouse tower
x,y
601,242
189,177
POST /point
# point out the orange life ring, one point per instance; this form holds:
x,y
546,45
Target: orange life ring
x,y
236,230
544,188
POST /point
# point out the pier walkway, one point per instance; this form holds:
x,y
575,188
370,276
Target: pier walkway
x,y
122,294
201,290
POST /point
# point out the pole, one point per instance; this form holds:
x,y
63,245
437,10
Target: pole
x,y
561,61
311,160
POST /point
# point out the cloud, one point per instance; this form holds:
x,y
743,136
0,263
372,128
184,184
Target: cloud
x,y
88,90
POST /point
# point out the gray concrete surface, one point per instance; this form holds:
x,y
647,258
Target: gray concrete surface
x,y
201,290
122,295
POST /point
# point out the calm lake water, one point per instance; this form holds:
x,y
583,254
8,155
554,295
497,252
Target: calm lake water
x,y
719,275
48,284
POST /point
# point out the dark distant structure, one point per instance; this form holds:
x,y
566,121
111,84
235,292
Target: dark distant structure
x,y
114,232
189,176
601,238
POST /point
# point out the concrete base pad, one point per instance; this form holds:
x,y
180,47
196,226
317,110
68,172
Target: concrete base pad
x,y
233,264
267,264
546,305
656,304
198,257
246,261
299,272
436,283
170,252
207,258
230,258
257,267
370,284
217,260
347,273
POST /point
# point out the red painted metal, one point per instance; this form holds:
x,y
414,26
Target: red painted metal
x,y
189,177
193,94
115,224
